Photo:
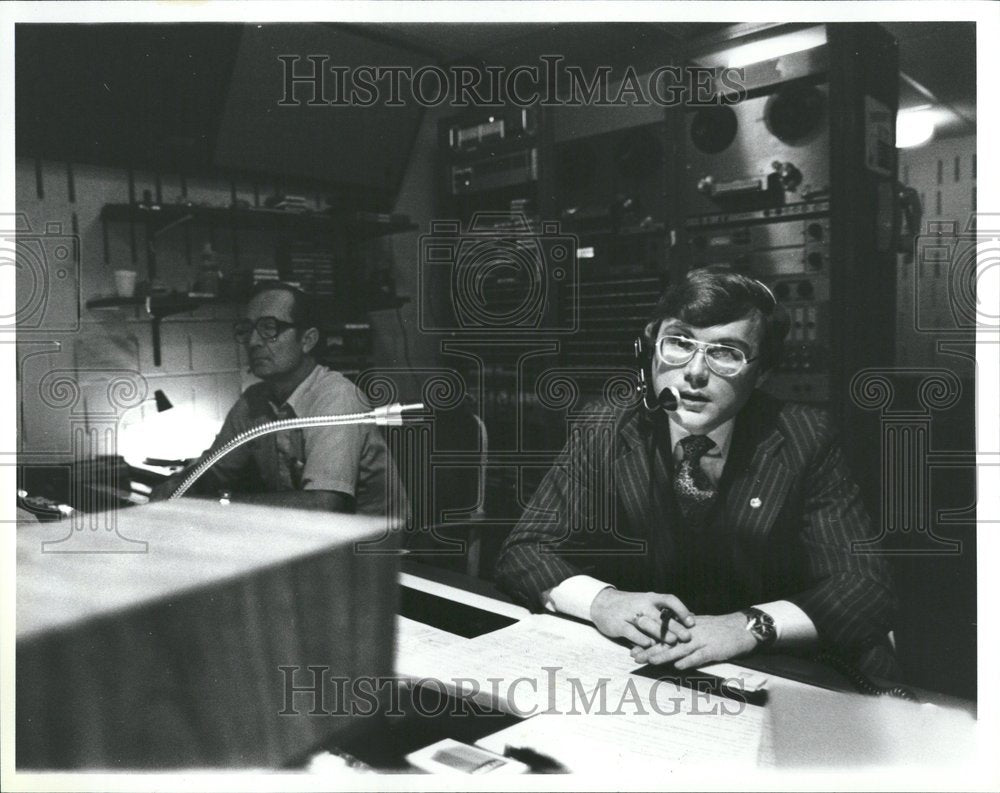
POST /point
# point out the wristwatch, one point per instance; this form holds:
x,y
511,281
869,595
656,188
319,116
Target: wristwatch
x,y
761,626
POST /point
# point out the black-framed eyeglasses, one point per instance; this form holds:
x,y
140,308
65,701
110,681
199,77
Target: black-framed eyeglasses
x,y
268,328
722,359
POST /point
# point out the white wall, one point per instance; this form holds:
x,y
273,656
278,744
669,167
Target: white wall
x,y
81,350
932,308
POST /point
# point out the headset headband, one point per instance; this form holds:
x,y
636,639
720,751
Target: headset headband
x,y
766,288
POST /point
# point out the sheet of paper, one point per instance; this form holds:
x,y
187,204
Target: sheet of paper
x,y
540,663
570,678
739,676
414,637
543,664
588,743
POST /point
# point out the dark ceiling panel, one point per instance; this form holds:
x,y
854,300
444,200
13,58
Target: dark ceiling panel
x,y
138,94
351,145
616,44
939,55
168,96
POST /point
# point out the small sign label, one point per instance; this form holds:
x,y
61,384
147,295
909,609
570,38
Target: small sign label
x,y
880,137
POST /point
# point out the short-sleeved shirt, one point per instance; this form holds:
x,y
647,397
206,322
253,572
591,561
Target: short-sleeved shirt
x,y
351,459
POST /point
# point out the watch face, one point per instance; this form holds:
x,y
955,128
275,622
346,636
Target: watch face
x,y
763,631
761,626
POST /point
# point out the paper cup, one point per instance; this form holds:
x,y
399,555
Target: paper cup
x,y
125,283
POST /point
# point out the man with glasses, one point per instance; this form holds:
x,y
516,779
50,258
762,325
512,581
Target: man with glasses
x,y
714,530
326,468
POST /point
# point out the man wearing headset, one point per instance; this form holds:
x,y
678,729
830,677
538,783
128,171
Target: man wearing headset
x,y
340,469
714,530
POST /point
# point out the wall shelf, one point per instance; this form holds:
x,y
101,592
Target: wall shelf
x,y
355,226
159,306
360,225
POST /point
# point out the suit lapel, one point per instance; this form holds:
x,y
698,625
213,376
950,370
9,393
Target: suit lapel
x,y
754,486
755,481
647,516
631,466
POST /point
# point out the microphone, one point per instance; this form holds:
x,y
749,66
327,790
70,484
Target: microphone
x,y
669,399
392,415
387,416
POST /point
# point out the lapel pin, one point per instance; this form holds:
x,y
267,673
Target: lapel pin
x,y
755,503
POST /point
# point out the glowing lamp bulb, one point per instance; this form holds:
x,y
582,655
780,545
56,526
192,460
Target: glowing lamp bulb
x,y
913,128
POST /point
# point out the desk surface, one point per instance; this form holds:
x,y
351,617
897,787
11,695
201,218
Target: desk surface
x,y
815,682
796,668
451,612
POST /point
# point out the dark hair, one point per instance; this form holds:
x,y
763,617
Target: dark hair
x,y
717,295
304,313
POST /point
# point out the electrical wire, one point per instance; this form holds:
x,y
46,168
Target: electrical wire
x,y
406,342
861,682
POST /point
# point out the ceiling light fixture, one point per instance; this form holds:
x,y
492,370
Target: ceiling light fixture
x,y
914,127
740,55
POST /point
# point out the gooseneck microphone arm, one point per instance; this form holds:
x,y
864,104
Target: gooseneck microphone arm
x,y
388,416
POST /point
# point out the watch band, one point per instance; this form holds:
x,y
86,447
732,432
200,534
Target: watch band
x,y
761,626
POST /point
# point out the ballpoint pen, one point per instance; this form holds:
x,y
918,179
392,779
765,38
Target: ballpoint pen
x,y
666,614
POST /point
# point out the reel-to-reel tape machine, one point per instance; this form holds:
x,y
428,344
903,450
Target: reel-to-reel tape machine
x,y
768,182
765,151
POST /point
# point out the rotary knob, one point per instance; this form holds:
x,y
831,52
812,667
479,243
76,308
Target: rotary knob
x,y
789,176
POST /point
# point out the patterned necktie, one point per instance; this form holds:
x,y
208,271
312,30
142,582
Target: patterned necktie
x,y
694,490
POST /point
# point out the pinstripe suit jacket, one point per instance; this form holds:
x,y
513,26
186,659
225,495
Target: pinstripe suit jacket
x,y
782,526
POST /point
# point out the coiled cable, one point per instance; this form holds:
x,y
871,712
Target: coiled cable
x,y
861,682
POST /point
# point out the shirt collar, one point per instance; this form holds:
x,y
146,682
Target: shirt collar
x,y
722,435
300,390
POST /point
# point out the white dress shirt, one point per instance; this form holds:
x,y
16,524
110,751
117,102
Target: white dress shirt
x,y
575,595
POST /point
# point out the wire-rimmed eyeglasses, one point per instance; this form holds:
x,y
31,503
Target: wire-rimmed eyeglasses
x,y
722,359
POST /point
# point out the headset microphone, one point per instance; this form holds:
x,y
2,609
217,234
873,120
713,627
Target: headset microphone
x,y
668,399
